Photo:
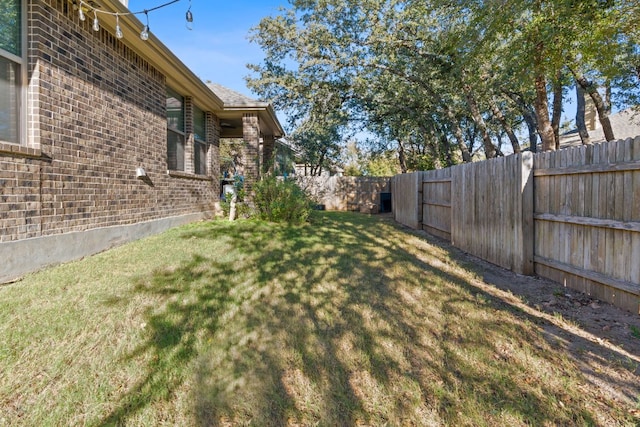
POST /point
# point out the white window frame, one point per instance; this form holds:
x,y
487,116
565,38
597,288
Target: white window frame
x,y
180,132
200,141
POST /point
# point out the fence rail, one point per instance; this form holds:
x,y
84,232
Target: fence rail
x,y
572,215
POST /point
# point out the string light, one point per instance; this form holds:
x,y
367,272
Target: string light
x,y
189,17
144,34
96,23
81,12
118,29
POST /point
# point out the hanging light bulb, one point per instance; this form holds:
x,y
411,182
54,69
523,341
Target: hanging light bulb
x,y
189,17
144,35
81,13
118,29
96,23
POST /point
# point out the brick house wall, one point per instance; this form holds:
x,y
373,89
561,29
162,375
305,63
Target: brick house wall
x,y
250,167
96,111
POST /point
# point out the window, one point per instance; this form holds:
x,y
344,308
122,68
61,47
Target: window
x,y
11,65
199,141
175,131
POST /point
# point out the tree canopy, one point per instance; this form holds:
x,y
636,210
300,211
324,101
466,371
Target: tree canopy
x,y
440,82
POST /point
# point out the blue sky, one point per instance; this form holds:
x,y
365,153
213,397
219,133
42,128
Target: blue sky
x,y
217,48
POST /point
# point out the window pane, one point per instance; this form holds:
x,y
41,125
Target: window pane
x,y
200,158
10,26
9,100
199,124
175,111
175,151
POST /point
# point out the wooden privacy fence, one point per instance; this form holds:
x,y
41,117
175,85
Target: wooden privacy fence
x,y
587,220
572,215
344,193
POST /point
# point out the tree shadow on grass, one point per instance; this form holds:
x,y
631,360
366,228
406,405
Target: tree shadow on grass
x,y
341,323
172,330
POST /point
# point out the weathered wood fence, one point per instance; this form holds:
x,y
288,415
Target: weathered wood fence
x,y
572,215
344,193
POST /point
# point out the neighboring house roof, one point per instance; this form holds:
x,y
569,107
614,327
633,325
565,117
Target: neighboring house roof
x,y
625,124
290,145
231,98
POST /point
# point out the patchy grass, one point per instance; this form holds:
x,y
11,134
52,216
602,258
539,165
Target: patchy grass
x,y
348,321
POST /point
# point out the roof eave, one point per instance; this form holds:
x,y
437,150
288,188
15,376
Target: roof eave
x,y
266,113
177,74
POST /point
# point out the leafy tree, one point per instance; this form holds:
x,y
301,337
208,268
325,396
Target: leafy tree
x,y
382,164
407,71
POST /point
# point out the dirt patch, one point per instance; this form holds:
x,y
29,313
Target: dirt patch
x,y
602,340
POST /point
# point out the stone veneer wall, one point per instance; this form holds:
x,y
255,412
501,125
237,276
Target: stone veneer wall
x,y
96,112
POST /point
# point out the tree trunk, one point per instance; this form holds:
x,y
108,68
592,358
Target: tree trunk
x,y
601,107
532,126
489,148
541,104
529,116
434,147
448,154
317,171
506,126
580,123
232,207
401,157
557,109
457,132
542,114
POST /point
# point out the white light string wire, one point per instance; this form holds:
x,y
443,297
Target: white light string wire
x,y
144,34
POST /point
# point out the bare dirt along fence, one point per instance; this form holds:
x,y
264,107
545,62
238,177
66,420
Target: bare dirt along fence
x,y
572,216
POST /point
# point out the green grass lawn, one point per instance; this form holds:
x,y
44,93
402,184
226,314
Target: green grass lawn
x,y
349,320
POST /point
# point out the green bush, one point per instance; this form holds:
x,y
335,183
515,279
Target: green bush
x,y
281,200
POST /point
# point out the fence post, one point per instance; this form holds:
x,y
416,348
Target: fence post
x,y
525,264
528,231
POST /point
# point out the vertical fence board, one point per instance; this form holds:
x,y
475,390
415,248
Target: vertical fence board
x,y
577,251
477,246
406,196
487,217
634,201
436,202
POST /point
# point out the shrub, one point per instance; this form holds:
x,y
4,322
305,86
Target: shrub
x,y
281,200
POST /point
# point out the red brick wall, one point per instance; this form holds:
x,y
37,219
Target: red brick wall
x,y
96,113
